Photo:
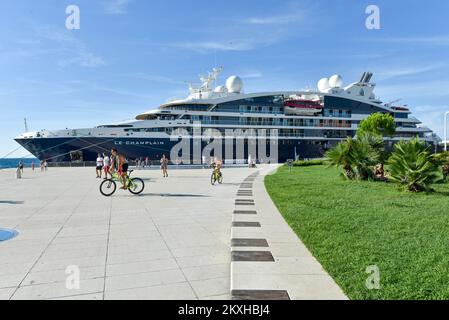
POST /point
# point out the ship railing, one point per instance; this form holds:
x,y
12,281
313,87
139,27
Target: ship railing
x,y
152,164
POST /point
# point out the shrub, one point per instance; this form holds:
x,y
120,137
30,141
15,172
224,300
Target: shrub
x,y
307,163
341,156
412,165
357,156
442,160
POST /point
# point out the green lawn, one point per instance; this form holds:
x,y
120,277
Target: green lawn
x,y
350,225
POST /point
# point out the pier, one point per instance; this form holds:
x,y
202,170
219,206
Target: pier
x,y
180,239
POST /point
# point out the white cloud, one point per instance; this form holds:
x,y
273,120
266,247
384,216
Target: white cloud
x,y
247,33
74,50
239,45
277,19
388,73
122,92
252,75
152,78
440,40
116,6
432,116
409,90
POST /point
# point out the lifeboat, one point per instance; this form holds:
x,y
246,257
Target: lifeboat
x,y
302,107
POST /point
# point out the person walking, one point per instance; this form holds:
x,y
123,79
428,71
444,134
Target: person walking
x,y
106,165
164,166
100,164
21,166
18,172
140,163
33,166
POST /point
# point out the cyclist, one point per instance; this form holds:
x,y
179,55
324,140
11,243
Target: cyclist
x,y
123,169
217,164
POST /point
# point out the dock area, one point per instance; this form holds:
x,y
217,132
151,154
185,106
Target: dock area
x,y
173,241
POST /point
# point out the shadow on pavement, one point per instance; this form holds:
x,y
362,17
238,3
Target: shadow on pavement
x,y
11,202
175,195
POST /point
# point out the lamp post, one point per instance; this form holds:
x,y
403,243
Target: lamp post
x,y
445,130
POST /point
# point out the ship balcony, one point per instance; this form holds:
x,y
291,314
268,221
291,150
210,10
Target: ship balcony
x,y
411,129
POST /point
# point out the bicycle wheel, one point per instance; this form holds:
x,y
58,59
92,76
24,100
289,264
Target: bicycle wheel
x,y
220,178
108,187
136,186
212,178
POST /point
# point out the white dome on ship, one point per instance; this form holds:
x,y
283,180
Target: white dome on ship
x,y
234,84
220,89
336,81
323,85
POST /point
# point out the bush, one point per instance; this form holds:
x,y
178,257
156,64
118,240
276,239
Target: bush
x,y
412,165
442,160
358,156
307,163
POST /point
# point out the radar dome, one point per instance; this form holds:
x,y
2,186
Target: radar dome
x,y
220,89
323,85
336,81
234,84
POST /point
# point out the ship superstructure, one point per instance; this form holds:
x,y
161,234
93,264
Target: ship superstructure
x,y
303,123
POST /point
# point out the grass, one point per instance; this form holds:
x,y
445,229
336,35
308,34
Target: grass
x,y
307,163
350,225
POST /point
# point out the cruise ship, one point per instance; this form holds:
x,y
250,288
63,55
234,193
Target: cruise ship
x,y
224,121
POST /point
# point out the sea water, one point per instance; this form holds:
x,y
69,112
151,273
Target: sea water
x,y
13,162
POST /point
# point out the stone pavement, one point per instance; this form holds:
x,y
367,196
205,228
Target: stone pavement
x,y
172,242
268,260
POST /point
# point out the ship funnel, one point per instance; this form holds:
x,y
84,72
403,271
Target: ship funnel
x,y
366,77
363,77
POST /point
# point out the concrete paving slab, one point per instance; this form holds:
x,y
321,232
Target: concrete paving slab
x,y
177,291
172,242
286,263
142,280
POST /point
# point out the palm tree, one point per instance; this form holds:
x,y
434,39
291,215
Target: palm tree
x,y
366,155
412,165
341,156
442,159
357,156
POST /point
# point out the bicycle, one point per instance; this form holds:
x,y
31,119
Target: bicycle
x,y
133,185
216,176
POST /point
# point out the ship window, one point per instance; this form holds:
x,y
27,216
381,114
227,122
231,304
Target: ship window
x,y
116,126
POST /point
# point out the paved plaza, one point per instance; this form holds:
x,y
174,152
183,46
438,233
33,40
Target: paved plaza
x,y
171,242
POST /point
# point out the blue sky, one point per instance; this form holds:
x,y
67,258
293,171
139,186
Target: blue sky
x,y
132,55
